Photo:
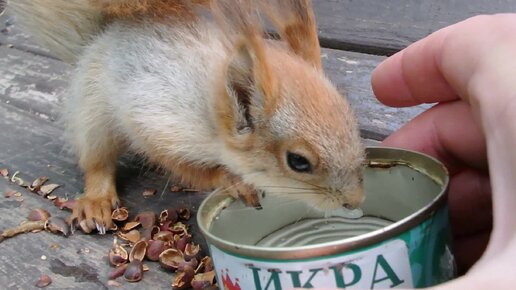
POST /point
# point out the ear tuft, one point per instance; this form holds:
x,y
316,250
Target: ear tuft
x,y
241,88
295,21
248,84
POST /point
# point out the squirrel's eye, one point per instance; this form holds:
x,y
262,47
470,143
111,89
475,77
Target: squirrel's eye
x,y
298,163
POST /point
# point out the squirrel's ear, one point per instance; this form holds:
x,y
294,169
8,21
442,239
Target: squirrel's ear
x,y
295,21
249,85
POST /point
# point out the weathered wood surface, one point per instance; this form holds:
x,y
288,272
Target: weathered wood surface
x,y
384,27
34,147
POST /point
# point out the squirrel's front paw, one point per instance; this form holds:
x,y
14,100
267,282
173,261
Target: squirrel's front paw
x,y
92,213
246,193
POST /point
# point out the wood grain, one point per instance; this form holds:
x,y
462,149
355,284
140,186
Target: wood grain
x,y
384,27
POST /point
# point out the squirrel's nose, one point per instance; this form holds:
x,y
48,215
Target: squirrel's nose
x,y
350,206
354,199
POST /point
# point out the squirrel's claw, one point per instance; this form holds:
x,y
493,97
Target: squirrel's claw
x,y
100,228
251,199
93,214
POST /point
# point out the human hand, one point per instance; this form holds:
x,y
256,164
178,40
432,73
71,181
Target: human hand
x,y
469,68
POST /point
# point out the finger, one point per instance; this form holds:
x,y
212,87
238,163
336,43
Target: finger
x,y
469,249
408,78
470,205
448,63
446,132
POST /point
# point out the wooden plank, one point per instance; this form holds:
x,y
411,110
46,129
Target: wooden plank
x,y
33,83
351,73
36,84
34,147
384,27
11,36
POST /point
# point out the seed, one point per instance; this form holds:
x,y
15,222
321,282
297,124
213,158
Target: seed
x,y
149,192
118,271
155,248
43,281
134,271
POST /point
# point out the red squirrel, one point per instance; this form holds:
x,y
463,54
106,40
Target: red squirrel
x,y
195,87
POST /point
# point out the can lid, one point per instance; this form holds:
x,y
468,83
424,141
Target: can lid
x,y
214,204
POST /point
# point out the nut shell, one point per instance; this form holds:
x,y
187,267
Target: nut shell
x,y
168,215
203,280
164,236
36,184
130,226
179,229
117,255
206,265
38,214
138,251
120,214
184,213
58,225
191,251
170,259
183,279
132,236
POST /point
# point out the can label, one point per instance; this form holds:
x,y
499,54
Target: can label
x,y
420,257
385,266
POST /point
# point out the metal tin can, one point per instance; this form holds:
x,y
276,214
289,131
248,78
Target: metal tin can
x,y
400,239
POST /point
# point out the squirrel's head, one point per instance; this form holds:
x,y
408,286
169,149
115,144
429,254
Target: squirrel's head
x,y
287,130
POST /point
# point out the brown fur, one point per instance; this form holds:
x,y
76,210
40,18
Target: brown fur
x,y
295,21
209,178
149,9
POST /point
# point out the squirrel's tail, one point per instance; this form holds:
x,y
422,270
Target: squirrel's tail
x,y
63,26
